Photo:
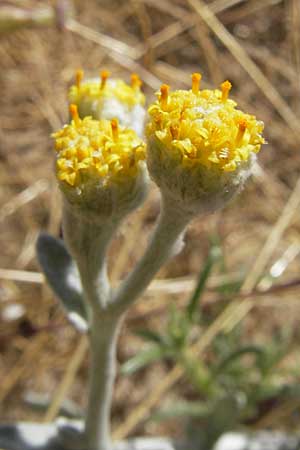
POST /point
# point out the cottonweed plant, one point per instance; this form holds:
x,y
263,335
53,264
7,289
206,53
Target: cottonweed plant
x,y
200,150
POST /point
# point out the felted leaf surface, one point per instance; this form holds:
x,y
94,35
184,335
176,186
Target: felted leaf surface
x,y
62,275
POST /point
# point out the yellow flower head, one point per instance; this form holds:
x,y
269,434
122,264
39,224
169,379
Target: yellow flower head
x,y
199,143
97,158
106,98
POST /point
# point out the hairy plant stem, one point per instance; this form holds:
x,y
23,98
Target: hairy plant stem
x,y
88,244
166,241
103,340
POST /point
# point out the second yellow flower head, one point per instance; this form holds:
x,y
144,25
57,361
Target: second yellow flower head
x,y
108,98
200,146
89,149
203,127
100,167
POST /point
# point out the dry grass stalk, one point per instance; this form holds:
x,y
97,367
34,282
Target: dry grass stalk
x,y
12,19
28,195
115,52
246,62
67,381
22,366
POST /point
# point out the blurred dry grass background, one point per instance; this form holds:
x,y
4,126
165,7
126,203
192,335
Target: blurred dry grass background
x,y
255,44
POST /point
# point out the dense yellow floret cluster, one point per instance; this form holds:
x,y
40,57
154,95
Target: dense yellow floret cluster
x,y
203,127
96,150
105,89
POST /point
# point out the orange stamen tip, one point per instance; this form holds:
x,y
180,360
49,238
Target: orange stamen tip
x,y
164,93
74,113
196,78
115,128
225,87
104,75
79,76
136,82
242,123
164,90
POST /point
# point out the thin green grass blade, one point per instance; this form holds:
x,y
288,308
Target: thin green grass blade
x,y
213,257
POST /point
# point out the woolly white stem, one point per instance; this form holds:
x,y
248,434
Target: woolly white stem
x,y
166,241
103,339
88,242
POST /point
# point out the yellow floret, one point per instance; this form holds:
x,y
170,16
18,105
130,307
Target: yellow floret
x,y
92,150
96,90
203,128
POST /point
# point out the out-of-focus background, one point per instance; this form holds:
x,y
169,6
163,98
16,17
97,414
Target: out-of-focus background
x,y
256,45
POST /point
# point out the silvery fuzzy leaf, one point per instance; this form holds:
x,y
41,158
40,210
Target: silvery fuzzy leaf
x,y
62,275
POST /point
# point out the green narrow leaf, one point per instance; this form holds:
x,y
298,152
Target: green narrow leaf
x,y
142,359
182,409
250,349
149,335
213,256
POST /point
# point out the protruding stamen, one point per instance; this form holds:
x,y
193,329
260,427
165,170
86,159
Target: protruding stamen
x,y
74,113
225,87
115,129
104,75
158,121
196,78
136,82
183,110
175,130
164,93
242,123
79,76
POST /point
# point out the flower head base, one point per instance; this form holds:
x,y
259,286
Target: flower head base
x,y
106,98
99,163
200,146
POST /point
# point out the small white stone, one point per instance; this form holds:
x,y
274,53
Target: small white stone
x,y
34,435
13,312
232,441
